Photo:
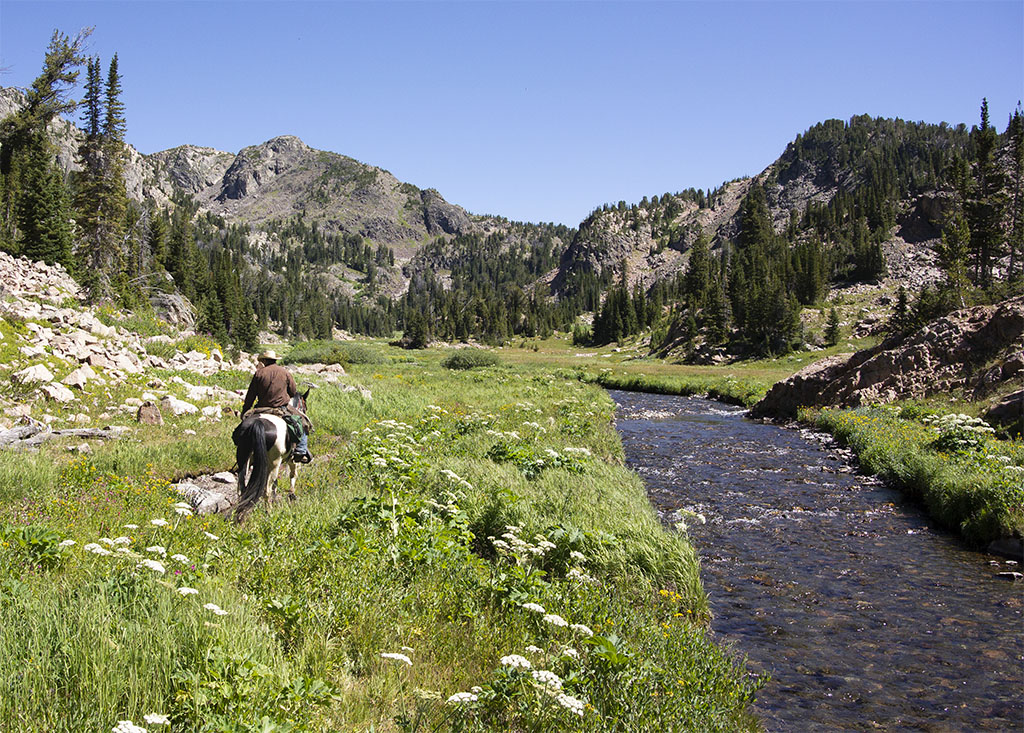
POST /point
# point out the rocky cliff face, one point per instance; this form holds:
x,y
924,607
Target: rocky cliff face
x,y
654,240
979,351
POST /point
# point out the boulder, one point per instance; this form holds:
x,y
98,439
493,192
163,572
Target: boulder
x,y
35,373
178,407
212,413
149,414
1008,413
80,377
57,392
202,499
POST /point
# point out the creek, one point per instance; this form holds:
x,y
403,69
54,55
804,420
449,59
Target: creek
x,y
865,616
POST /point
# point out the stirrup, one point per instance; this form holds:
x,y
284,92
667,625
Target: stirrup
x,y
301,457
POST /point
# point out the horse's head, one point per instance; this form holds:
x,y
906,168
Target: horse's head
x,y
299,400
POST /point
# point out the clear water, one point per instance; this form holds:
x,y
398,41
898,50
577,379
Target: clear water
x,y
864,615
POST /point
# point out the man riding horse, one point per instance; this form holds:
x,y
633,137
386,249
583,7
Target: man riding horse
x,y
271,389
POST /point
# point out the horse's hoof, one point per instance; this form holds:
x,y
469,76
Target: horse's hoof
x,y
292,496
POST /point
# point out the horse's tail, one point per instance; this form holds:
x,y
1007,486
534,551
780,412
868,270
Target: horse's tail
x,y
251,451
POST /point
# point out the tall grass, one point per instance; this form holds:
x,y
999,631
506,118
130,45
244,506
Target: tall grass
x,y
977,492
743,391
395,546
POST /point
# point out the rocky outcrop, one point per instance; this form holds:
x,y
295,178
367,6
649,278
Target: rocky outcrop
x,y
440,217
975,350
1008,413
58,352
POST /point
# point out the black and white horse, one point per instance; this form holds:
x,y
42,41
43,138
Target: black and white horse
x,y
262,444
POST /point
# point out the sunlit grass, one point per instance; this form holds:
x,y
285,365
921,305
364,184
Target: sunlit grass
x,y
388,550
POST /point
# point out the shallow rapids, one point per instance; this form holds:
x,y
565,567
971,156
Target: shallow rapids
x,y
865,616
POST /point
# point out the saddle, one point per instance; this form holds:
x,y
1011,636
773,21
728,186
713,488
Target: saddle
x,y
292,421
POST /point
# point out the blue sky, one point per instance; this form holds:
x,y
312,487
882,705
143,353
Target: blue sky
x,y
536,111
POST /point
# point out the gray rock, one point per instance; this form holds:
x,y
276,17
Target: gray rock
x,y
1008,413
35,373
149,414
57,392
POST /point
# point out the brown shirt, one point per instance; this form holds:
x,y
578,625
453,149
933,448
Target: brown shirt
x,y
271,386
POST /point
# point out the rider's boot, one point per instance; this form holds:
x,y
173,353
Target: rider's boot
x,y
300,453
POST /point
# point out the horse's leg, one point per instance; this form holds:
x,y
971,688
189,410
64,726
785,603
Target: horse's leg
x,y
292,471
272,483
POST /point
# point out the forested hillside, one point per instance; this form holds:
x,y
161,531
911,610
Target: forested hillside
x,y
285,237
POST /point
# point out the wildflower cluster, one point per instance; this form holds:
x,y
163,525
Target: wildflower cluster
x,y
122,547
511,548
958,432
533,462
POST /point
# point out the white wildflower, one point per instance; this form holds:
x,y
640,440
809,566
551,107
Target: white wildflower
x,y
182,505
571,703
131,526
96,549
582,629
157,550
547,545
156,719
577,556
154,565
578,574
180,558
217,610
547,679
396,657
106,541
571,653
159,522
211,536
535,607
534,649
127,726
461,698
186,591
182,511
516,662
125,551
500,545
555,620
66,543
122,540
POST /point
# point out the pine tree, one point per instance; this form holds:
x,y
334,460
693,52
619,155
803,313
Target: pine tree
x,y
984,209
698,272
952,254
26,158
44,215
102,201
832,330
1015,240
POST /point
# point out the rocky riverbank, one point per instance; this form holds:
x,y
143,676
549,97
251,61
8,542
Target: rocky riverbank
x,y
976,351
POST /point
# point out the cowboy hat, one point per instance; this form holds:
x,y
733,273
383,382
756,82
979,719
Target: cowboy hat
x,y
268,355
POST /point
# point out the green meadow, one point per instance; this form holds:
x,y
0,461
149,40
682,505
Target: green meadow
x,y
468,552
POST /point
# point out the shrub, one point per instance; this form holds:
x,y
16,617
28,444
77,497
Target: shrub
x,y
470,359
